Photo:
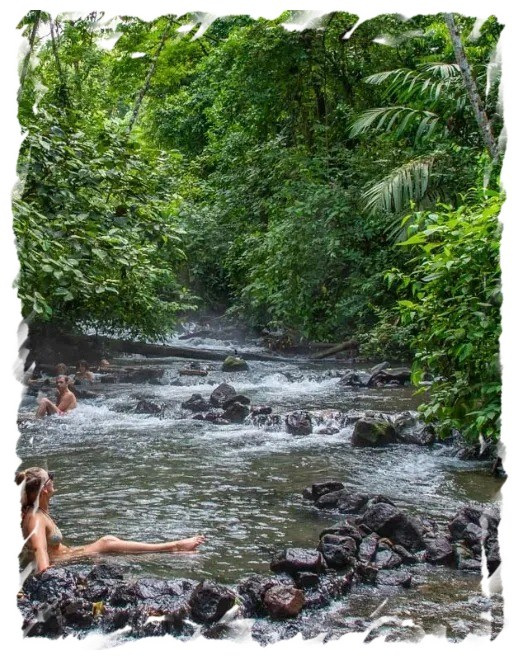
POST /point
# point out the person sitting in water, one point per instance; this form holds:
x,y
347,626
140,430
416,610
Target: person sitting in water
x,y
44,541
66,400
104,365
61,369
83,374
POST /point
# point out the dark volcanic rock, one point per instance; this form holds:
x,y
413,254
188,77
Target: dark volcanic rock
x,y
387,520
385,558
356,379
306,580
283,602
411,430
221,394
147,408
345,501
338,555
140,374
464,517
78,612
297,560
343,529
196,403
238,398
368,547
394,579
252,590
210,601
324,487
370,432
299,423
235,412
53,583
439,551
260,410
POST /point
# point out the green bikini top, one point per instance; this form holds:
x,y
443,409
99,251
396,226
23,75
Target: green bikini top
x,y
55,537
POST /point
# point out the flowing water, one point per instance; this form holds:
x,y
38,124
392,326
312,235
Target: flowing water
x,y
156,478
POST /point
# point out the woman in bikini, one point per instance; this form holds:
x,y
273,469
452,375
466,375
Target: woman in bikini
x,y
44,541
66,400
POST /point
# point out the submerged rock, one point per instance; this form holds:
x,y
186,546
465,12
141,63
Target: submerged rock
x,y
147,408
196,403
235,412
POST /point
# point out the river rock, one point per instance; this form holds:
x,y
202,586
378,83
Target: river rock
x,y
371,432
260,410
306,580
338,552
196,403
343,529
140,374
343,500
394,579
283,602
233,363
367,573
464,517
407,557
323,487
53,583
368,547
387,520
411,430
439,551
379,367
356,379
210,601
385,558
147,408
238,398
235,412
252,590
401,375
221,394
299,423
298,560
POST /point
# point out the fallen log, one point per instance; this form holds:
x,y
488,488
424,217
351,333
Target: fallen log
x,y
349,345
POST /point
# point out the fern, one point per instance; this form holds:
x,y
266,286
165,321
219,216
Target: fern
x,y
396,119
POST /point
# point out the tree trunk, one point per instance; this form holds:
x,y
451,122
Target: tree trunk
x,y
471,89
61,75
27,58
143,91
350,344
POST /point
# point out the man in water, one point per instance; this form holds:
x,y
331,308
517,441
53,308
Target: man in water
x,y
65,402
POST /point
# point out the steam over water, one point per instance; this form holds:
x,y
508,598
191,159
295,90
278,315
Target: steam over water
x,y
150,478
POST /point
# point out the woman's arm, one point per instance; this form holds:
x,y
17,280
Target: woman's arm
x,y
38,539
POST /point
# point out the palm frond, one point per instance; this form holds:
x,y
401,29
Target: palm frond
x,y
397,119
441,69
404,184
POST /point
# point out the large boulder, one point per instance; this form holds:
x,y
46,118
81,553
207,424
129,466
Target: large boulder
x,y
464,517
324,487
439,551
356,379
283,601
234,363
299,423
210,601
238,398
343,529
411,430
236,412
221,394
371,432
386,520
298,560
55,582
343,500
338,551
368,547
252,590
401,375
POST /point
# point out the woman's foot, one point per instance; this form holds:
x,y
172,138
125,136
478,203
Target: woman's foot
x,y
188,545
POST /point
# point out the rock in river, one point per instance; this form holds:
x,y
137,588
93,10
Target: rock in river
x,y
283,601
401,528
371,432
210,601
297,560
233,363
221,394
299,423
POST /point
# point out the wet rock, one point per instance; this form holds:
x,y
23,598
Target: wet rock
x,y
493,555
306,580
124,594
462,553
221,394
235,412
78,613
343,529
338,556
439,551
387,520
386,558
370,432
379,367
46,620
140,374
298,560
252,590
104,571
407,557
233,363
210,601
411,430
238,398
196,403
213,417
328,430
395,579
367,573
324,487
307,493
193,372
401,375
345,501
54,583
260,410
356,379
283,602
299,423
464,517
368,547
147,408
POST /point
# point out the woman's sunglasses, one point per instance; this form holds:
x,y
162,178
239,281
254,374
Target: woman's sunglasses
x,y
51,477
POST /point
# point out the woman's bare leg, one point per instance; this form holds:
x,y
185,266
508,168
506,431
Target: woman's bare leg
x,y
111,544
46,407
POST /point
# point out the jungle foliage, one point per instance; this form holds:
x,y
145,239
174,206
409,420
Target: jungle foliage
x,y
279,174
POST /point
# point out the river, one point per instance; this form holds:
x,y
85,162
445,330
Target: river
x,y
157,478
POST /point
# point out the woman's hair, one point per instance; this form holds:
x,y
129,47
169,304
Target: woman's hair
x,y
61,369
33,480
82,363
